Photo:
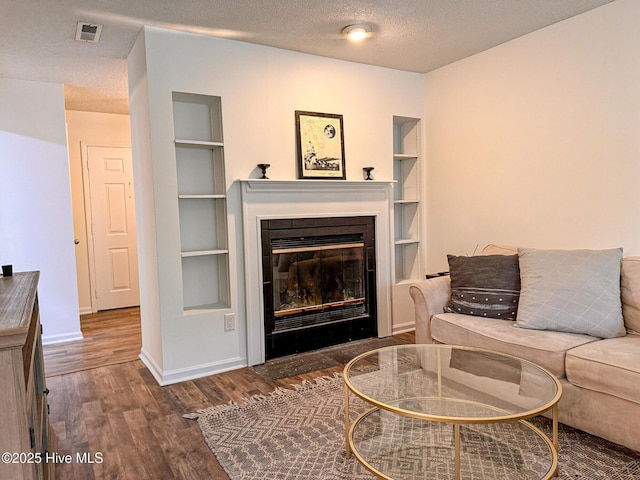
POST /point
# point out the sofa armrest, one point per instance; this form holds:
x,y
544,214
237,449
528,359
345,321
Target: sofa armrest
x,y
429,297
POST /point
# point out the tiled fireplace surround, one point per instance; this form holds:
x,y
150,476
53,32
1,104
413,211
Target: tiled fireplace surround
x,y
280,199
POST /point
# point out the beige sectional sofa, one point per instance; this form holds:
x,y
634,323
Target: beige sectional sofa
x,y
600,377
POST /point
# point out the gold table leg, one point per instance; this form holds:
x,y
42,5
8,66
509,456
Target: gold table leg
x,y
554,412
456,432
346,421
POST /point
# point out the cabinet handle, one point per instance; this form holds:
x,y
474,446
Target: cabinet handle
x,y
46,391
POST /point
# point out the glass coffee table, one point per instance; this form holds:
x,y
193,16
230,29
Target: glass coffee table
x,y
441,411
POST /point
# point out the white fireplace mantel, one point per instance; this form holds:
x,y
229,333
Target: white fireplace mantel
x,y
280,199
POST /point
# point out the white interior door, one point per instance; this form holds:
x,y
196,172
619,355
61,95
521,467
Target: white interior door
x,y
113,227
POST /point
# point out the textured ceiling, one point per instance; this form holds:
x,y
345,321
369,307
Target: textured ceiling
x,y
37,37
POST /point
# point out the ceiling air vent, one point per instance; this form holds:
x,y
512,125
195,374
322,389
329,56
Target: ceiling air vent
x,y
88,32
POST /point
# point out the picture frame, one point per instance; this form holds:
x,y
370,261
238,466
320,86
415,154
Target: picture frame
x,y
320,145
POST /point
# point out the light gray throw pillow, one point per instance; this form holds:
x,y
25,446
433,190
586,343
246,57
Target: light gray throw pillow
x,y
576,291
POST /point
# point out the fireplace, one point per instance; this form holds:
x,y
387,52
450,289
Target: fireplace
x,y
294,200
319,282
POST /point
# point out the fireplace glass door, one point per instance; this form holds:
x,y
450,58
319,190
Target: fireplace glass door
x,y
318,282
309,279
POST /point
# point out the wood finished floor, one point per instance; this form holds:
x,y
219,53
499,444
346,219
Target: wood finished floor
x,y
117,408
110,337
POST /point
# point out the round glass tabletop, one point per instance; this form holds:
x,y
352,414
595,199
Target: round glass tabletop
x,y
452,384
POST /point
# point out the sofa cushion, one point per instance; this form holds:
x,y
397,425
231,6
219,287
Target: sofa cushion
x,y
484,285
609,366
630,290
575,291
546,349
493,249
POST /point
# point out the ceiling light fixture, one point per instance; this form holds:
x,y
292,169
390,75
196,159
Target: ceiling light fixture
x,y
356,32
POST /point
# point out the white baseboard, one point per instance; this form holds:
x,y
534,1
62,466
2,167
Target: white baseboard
x,y
62,337
404,327
150,363
189,373
86,310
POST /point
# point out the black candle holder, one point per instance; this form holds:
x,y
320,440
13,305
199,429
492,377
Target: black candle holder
x,y
263,167
367,170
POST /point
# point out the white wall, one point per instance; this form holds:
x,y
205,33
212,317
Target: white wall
x,y
537,142
36,230
151,324
261,87
89,129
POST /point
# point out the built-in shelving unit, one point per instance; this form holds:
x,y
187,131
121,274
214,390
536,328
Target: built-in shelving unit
x,y
202,201
407,217
406,199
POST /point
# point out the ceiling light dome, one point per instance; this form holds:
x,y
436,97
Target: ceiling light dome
x,y
356,32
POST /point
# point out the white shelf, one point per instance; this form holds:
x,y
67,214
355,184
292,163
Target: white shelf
x,y
406,241
205,196
205,282
201,253
207,308
404,156
407,262
198,144
202,224
200,171
197,118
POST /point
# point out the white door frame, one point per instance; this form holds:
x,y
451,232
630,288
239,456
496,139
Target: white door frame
x,y
86,191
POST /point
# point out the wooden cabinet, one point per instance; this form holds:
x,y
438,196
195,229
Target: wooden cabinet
x,y
24,412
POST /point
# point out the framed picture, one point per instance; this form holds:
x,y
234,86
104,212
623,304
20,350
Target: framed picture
x,y
320,145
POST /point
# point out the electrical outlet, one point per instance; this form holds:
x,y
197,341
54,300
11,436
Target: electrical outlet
x,y
229,322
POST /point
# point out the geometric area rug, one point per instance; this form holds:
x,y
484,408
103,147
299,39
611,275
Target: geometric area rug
x,y
298,434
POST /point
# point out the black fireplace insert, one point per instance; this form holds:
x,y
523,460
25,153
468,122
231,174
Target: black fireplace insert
x,y
319,282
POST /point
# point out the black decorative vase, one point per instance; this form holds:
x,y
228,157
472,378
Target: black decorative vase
x,y
263,167
368,170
